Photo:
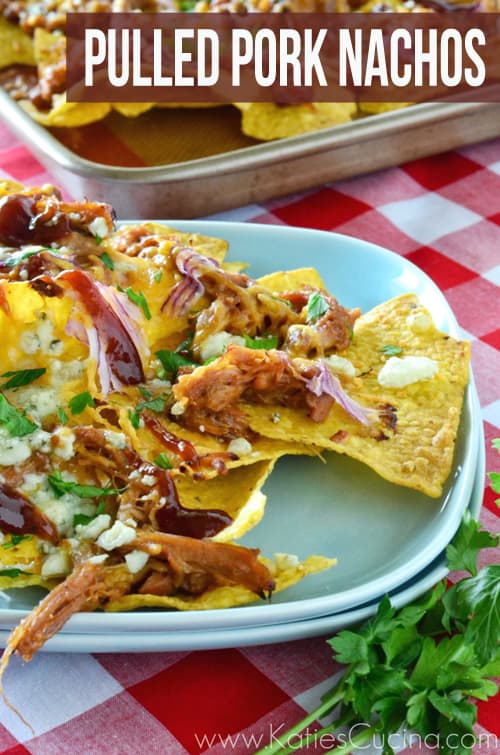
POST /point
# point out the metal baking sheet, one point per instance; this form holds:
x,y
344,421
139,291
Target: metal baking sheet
x,y
257,171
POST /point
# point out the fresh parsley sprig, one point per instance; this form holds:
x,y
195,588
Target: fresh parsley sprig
x,y
418,668
18,378
317,306
171,361
261,342
60,486
14,420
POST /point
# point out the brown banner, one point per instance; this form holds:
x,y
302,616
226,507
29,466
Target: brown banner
x,y
283,57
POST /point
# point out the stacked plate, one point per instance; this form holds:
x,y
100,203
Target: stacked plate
x,y
387,539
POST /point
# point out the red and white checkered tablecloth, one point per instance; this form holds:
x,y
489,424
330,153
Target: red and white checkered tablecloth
x,y
442,213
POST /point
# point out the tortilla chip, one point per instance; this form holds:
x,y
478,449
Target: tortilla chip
x,y
238,493
132,109
21,564
287,571
292,280
419,452
266,121
16,47
66,114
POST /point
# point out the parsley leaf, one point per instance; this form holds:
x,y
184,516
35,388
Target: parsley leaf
x,y
12,573
171,361
63,417
107,261
15,421
158,276
19,378
475,602
317,306
61,486
79,402
85,518
163,461
261,342
495,484
185,345
138,298
462,553
391,351
15,540
187,5
154,404
135,418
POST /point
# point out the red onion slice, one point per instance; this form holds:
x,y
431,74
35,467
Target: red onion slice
x,y
324,382
117,357
183,295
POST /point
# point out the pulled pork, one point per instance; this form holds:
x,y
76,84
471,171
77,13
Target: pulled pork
x,y
210,395
242,306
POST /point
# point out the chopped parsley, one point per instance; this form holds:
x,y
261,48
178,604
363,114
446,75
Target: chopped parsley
x,y
138,298
171,361
163,461
15,540
185,345
85,518
155,404
12,573
18,378
80,402
317,306
391,351
158,276
107,261
63,417
261,342
135,418
15,421
61,486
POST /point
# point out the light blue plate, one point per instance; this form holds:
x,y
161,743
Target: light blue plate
x,y
382,534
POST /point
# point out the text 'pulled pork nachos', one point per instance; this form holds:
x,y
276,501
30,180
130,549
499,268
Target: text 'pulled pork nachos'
x,y
33,59
147,389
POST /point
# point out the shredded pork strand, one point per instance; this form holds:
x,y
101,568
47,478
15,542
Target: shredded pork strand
x,y
223,563
190,564
210,394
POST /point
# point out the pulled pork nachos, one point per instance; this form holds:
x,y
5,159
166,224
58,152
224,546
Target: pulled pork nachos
x,y
147,389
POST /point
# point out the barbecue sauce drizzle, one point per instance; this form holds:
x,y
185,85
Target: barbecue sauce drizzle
x,y
18,516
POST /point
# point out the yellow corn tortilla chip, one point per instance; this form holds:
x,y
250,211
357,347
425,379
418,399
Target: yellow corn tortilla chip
x,y
266,121
292,280
418,453
132,109
15,46
287,571
238,493
21,564
63,113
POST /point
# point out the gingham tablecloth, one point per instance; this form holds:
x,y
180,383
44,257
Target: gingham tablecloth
x,y
443,214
